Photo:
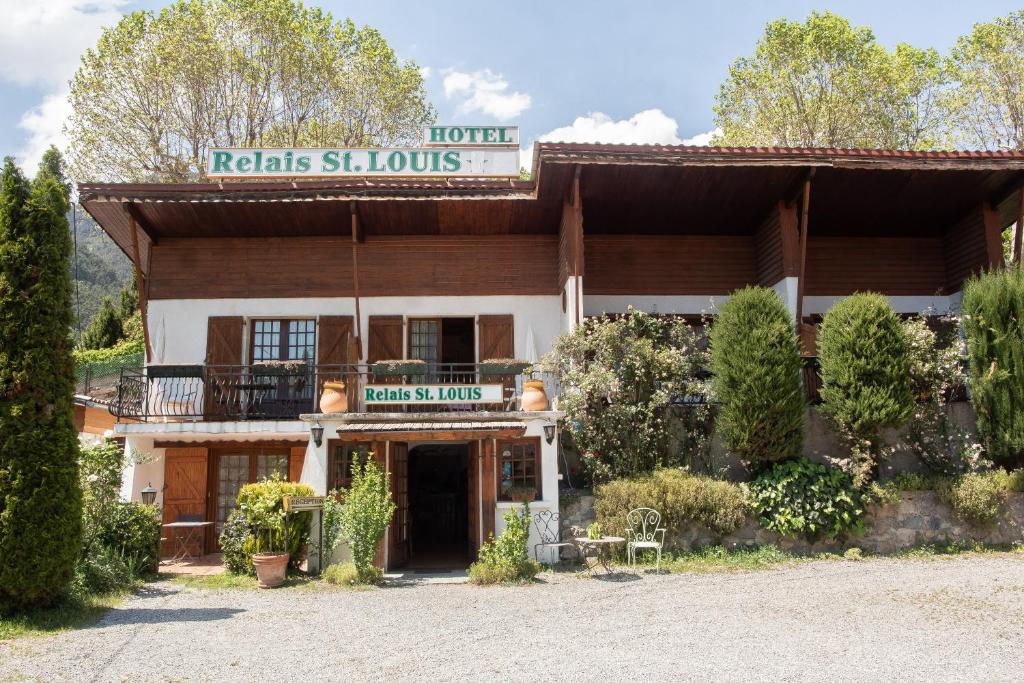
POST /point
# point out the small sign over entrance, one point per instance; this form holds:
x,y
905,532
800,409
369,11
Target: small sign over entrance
x,y
432,393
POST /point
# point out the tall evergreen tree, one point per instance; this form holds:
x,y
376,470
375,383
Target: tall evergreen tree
x,y
40,497
106,329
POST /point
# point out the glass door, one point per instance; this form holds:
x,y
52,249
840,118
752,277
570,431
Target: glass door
x,y
235,469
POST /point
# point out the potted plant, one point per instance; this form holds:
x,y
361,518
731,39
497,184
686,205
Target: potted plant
x,y
594,532
271,566
522,494
504,366
409,367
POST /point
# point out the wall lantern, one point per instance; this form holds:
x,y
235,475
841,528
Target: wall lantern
x,y
148,494
317,430
549,433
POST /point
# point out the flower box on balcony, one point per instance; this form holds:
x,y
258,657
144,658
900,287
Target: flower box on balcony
x,y
286,368
504,366
399,368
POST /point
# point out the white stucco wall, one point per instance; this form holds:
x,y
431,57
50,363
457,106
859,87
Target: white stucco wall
x,y
697,304
178,326
137,475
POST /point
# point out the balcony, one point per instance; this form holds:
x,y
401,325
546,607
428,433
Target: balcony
x,y
176,393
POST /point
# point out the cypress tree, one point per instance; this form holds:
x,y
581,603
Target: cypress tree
x,y
755,360
40,496
106,329
993,309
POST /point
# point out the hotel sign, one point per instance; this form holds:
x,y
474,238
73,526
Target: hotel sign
x,y
378,394
448,152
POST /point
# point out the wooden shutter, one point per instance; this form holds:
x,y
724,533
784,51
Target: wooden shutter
x,y
385,338
223,348
335,345
296,458
185,490
496,337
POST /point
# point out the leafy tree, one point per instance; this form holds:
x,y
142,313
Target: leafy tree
x,y
755,361
993,319
865,375
128,299
987,102
619,377
40,497
160,88
825,83
105,330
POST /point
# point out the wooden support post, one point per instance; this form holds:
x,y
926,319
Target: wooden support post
x,y
355,277
1018,230
577,212
804,208
140,282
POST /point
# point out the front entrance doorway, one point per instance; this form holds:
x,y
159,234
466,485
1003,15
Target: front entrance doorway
x,y
438,486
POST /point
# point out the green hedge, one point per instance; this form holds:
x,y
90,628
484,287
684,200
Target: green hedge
x,y
755,360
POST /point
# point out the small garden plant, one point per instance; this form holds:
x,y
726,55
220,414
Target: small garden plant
x,y
504,559
365,516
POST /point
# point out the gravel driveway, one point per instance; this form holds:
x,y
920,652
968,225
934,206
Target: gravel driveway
x,y
951,618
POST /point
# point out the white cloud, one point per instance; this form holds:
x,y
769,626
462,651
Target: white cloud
x,y
484,92
41,40
44,125
425,72
651,126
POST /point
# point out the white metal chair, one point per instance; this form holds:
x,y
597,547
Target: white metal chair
x,y
643,532
549,530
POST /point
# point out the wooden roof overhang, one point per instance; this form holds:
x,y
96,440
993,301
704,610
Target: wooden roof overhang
x,y
625,189
430,431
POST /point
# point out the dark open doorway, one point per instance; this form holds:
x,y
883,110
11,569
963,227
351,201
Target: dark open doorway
x,y
438,505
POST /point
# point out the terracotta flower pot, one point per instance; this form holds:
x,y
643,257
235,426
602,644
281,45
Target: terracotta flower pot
x,y
334,399
534,398
270,568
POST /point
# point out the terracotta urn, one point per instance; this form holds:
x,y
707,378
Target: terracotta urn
x,y
270,568
534,398
334,399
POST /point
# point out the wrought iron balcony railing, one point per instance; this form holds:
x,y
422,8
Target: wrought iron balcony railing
x,y
286,390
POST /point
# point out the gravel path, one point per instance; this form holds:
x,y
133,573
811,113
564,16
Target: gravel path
x,y
950,619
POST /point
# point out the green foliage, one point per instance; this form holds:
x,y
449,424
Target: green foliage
x,y
346,574
755,361
40,496
864,355
366,513
825,83
720,559
799,497
618,377
681,498
330,525
993,320
106,329
258,524
976,498
288,75
504,559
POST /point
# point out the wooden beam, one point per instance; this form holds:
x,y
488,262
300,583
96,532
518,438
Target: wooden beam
x,y
422,435
577,213
993,236
805,204
356,239
140,284
1018,229
141,221
263,443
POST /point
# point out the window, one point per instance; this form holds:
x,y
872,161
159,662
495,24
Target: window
x,y
519,463
236,469
339,467
283,340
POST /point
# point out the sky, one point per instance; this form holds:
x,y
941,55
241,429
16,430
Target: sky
x,y
566,70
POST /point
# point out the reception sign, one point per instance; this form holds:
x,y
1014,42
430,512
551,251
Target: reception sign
x,y
377,394
401,162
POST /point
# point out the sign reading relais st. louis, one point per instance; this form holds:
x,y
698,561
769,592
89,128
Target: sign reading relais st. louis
x,y
448,151
432,393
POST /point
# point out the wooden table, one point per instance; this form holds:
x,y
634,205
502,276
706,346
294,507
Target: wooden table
x,y
600,549
181,551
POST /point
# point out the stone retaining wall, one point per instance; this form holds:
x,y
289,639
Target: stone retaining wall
x,y
918,519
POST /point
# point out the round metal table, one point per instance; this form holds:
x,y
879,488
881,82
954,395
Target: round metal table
x,y
599,549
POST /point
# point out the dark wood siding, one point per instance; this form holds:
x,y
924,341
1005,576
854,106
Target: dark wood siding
x,y
322,266
777,245
896,266
668,264
967,246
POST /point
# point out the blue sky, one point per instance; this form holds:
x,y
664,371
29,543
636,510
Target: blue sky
x,y
559,69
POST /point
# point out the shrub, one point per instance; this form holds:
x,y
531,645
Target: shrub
x,y
808,499
681,498
977,498
100,572
993,320
40,496
618,378
133,530
330,525
259,525
504,559
755,362
865,375
346,574
365,515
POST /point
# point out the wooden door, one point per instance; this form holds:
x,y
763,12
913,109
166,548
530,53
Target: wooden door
x,y
398,534
378,450
496,339
488,489
473,498
223,356
184,494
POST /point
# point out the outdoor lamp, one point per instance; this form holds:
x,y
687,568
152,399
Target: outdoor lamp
x,y
148,494
317,430
549,433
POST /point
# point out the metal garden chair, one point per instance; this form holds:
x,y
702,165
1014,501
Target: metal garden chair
x,y
549,530
644,532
